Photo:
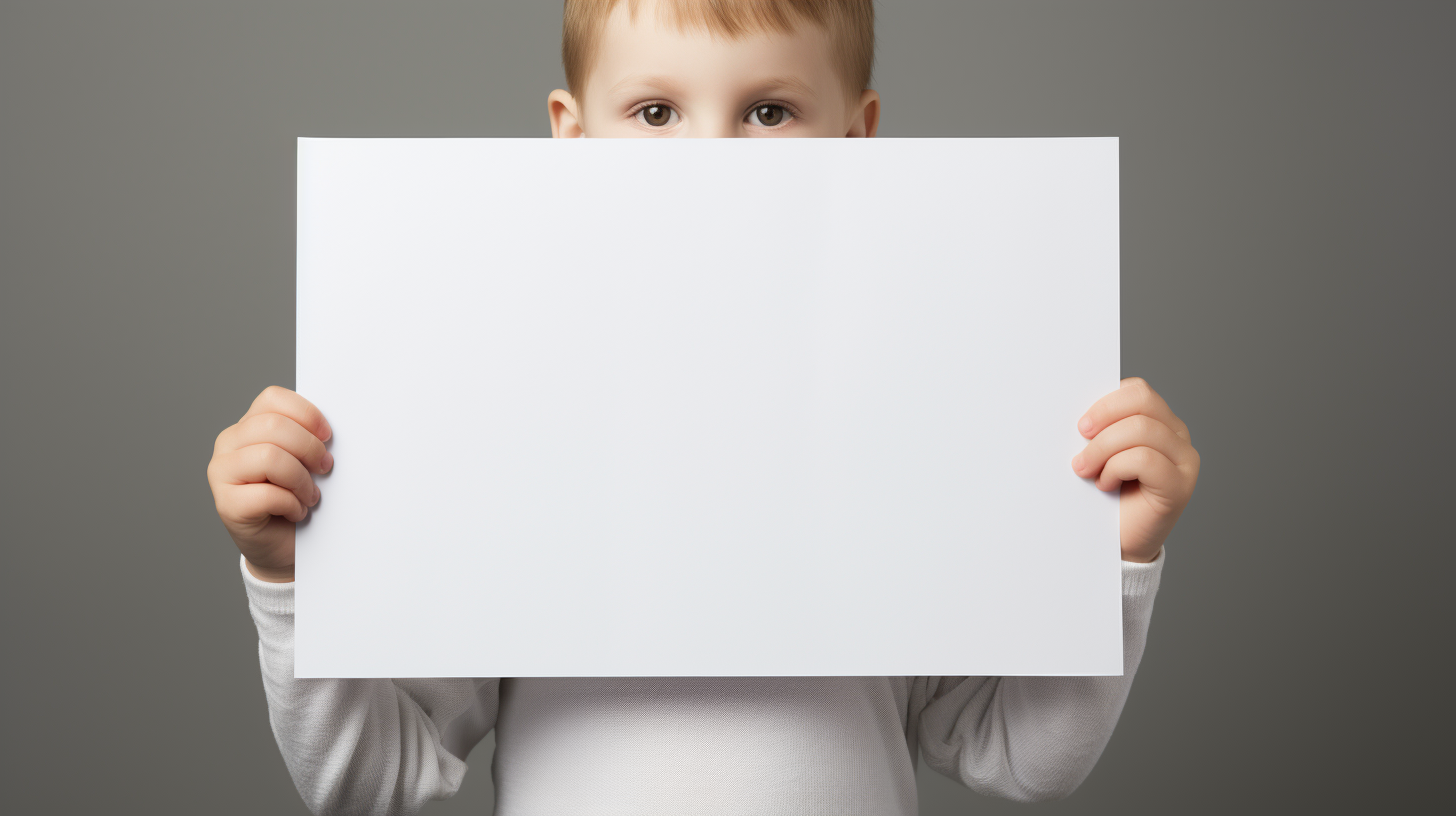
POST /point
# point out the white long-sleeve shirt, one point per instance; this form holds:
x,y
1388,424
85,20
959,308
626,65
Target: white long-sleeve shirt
x,y
674,745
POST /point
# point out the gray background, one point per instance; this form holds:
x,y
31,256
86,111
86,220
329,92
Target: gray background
x,y
1287,212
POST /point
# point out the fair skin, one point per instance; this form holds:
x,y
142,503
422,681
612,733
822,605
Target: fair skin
x,y
654,81
651,80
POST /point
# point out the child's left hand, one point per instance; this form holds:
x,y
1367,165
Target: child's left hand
x,y
1139,444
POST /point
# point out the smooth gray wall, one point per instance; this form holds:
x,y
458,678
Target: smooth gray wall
x,y
1288,263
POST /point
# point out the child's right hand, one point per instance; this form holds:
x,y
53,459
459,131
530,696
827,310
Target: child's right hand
x,y
260,477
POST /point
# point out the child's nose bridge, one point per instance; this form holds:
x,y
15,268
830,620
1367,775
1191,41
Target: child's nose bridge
x,y
717,126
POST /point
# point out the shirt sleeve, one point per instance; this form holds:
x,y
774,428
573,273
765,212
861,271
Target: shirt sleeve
x,y
1033,738
364,745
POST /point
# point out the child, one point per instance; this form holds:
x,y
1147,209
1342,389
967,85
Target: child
x,y
703,745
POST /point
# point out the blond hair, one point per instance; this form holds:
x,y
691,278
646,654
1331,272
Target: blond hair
x,y
850,24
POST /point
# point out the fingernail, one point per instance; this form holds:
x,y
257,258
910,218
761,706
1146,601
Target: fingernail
x,y
327,463
1085,424
1077,463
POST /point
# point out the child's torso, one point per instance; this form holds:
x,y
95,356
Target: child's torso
x,y
705,745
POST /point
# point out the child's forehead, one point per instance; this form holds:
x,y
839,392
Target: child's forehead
x,y
646,43
841,32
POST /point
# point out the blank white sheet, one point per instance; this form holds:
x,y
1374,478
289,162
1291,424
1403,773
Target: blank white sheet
x,y
738,407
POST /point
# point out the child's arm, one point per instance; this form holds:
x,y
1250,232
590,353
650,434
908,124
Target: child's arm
x,y
364,746
352,746
1031,738
1034,738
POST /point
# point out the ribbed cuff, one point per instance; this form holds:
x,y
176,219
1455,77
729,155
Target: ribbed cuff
x,y
270,597
1140,580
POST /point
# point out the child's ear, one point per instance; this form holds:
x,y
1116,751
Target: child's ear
x,y
565,122
866,115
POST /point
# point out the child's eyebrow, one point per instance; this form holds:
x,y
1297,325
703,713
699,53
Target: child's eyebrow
x,y
646,82
668,86
791,84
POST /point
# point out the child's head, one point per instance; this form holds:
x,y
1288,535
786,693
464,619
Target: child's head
x,y
716,68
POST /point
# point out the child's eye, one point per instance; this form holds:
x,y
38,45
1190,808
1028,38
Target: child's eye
x,y
770,115
657,116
